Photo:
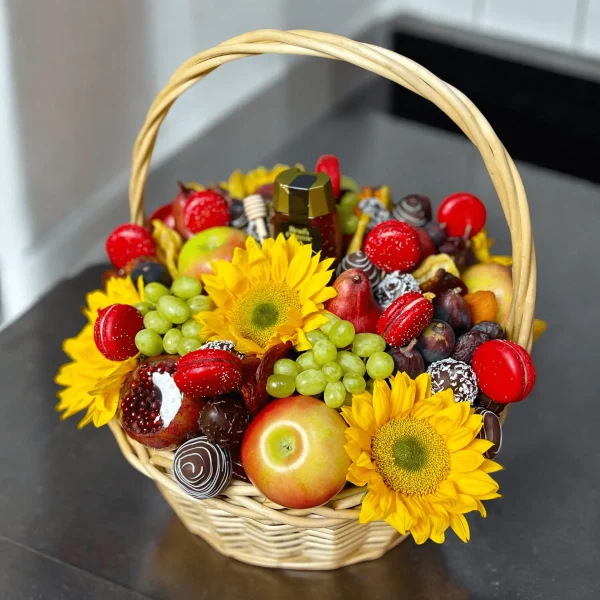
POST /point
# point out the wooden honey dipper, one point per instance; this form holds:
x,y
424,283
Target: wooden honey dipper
x,y
256,211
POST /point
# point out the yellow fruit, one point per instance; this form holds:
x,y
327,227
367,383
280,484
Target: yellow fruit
x,y
494,278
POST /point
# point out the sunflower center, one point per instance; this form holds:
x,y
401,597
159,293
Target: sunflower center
x,y
262,309
411,457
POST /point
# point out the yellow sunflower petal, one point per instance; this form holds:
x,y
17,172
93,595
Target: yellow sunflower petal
x,y
475,483
381,402
298,266
460,527
370,510
459,438
423,387
364,415
361,438
466,461
401,400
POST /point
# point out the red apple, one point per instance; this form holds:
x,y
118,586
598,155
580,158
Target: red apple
x,y
211,244
293,452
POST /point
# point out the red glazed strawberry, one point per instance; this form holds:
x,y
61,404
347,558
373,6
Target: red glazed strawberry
x,y
204,210
127,242
208,372
505,371
393,246
329,164
115,329
463,214
165,214
152,410
405,318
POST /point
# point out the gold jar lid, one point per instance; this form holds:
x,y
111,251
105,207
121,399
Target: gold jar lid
x,y
303,195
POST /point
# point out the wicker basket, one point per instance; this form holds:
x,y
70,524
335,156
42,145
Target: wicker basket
x,y
241,523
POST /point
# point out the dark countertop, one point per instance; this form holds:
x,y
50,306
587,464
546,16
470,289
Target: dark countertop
x,y
77,522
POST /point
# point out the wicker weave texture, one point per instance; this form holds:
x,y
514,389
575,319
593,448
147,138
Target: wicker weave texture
x,y
241,523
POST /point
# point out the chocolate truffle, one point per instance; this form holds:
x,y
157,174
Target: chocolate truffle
x,y
223,345
223,420
202,469
359,260
414,209
459,376
375,208
394,285
490,430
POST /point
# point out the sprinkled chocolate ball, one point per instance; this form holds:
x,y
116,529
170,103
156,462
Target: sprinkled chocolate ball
x,y
459,376
375,208
202,469
224,420
394,285
490,430
414,209
223,345
359,260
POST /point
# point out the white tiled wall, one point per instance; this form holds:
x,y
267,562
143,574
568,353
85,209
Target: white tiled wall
x,y
567,25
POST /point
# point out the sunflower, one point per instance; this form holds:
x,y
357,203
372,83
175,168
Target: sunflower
x,y
242,184
91,381
267,295
420,457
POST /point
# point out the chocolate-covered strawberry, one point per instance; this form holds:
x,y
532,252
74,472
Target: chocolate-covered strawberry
x,y
224,420
153,410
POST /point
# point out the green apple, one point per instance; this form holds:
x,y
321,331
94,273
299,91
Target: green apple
x,y
293,452
211,244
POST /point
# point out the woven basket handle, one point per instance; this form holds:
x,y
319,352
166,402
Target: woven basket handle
x,y
402,71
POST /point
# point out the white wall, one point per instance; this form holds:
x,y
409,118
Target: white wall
x,y
568,25
75,79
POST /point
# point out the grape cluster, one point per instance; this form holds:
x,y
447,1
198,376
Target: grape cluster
x,y
345,208
337,366
169,325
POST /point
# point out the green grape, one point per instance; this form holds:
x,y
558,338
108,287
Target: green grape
x,y
310,382
347,183
307,361
365,344
200,304
280,386
349,201
143,307
324,351
332,320
348,224
315,336
148,342
355,384
191,329
335,394
286,366
154,291
171,340
350,363
174,309
380,365
185,345
332,371
370,385
155,321
342,334
186,287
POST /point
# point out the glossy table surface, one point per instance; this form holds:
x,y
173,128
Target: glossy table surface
x,y
77,522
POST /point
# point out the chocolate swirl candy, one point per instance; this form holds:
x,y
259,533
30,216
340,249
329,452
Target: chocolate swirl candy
x,y
490,430
414,209
202,469
359,260
375,208
226,345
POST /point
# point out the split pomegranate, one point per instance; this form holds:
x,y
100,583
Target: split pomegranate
x,y
153,411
